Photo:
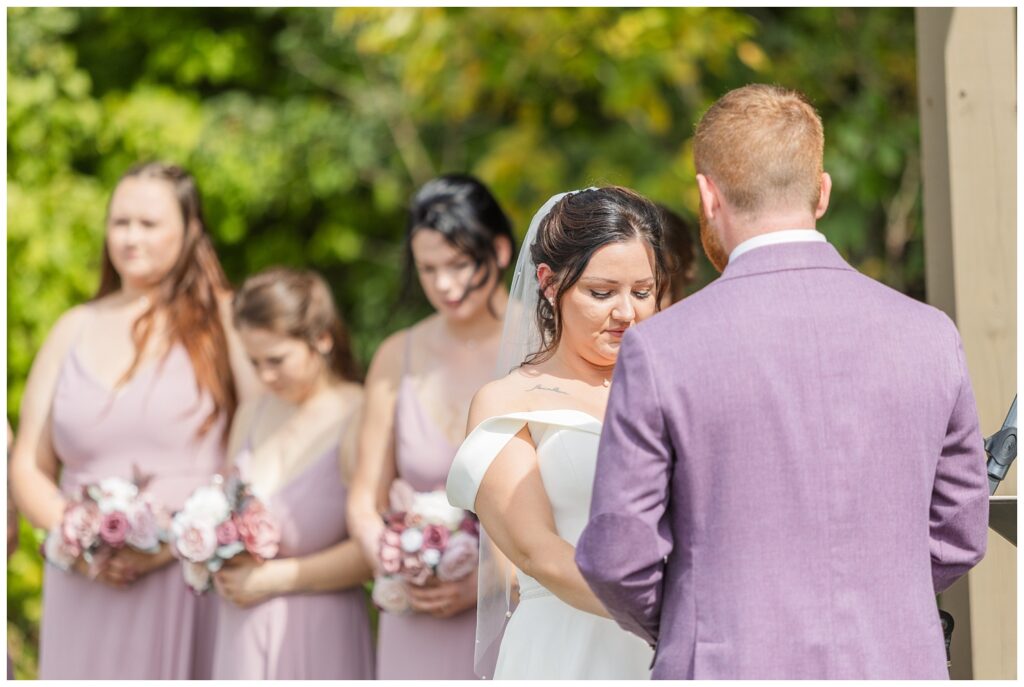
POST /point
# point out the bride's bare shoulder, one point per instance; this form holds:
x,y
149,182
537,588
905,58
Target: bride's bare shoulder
x,y
510,394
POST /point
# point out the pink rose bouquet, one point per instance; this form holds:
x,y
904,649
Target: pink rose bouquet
x,y
430,540
218,522
106,516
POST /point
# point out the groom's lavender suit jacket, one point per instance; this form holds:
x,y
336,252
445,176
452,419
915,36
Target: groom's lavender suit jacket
x,y
790,470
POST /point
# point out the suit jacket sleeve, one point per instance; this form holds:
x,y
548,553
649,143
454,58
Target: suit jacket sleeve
x,y
622,551
959,505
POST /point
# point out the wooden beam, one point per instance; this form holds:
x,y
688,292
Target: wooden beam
x,y
967,92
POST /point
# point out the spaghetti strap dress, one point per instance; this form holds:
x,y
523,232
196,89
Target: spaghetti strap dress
x,y
156,628
418,646
315,636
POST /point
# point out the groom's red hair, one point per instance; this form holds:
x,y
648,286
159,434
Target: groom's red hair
x,y
763,147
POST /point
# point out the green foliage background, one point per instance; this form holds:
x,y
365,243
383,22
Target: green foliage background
x,y
308,129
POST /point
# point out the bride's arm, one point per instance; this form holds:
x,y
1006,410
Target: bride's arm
x,y
515,510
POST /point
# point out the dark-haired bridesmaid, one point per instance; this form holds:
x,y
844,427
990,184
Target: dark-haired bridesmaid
x,y
678,245
147,374
303,614
418,390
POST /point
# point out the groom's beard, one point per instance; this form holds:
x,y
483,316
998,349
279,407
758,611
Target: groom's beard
x,y
712,246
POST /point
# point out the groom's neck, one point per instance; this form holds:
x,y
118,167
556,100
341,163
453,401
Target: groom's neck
x,y
743,227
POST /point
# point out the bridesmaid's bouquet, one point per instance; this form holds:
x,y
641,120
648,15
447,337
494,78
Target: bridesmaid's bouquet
x,y
106,516
429,542
218,522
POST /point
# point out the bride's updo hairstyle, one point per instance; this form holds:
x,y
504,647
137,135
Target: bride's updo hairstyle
x,y
467,215
298,305
577,227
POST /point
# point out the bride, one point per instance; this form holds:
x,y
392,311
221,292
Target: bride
x,y
590,269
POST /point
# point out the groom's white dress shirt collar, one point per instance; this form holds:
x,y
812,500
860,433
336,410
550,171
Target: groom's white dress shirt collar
x,y
771,238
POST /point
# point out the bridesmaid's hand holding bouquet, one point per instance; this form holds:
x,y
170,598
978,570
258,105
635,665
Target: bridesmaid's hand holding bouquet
x,y
111,520
218,523
246,581
428,553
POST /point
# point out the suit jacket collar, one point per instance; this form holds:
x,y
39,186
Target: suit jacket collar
x,y
786,256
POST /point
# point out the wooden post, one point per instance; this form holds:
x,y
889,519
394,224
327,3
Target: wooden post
x,y
966,59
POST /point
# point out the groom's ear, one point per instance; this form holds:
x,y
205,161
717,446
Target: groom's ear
x,y
823,196
709,201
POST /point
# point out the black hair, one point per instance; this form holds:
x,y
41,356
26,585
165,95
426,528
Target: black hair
x,y
464,211
680,252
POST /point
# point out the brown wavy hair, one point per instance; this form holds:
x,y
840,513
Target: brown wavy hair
x,y
187,296
296,304
578,226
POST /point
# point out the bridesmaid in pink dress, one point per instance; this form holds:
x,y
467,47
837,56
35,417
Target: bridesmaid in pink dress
x,y
418,391
302,615
143,376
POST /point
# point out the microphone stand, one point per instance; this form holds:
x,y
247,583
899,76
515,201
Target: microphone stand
x,y
1001,448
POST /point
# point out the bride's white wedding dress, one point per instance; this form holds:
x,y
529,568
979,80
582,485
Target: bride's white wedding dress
x,y
546,637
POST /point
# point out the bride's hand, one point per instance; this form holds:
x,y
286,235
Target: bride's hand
x,y
444,599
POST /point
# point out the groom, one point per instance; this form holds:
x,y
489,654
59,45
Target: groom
x,y
791,466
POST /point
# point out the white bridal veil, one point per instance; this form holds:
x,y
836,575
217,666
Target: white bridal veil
x,y
519,338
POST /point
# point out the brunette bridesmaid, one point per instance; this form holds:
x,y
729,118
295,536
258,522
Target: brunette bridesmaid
x,y
418,391
302,615
145,375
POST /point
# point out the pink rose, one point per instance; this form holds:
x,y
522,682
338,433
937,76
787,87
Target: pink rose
x,y
196,542
259,531
390,558
114,528
435,537
161,516
414,571
389,595
227,532
460,558
81,526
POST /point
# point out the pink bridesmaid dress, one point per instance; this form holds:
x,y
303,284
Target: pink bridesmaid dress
x,y
418,646
317,636
156,628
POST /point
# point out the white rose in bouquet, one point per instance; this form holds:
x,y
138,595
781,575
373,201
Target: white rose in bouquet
x,y
56,552
114,494
389,595
411,540
195,541
207,504
434,508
